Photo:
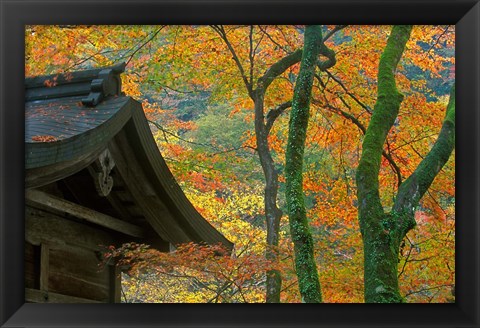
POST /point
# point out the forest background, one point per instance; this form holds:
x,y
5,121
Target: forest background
x,y
201,87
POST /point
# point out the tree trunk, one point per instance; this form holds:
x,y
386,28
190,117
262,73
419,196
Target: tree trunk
x,y
272,212
381,265
262,128
305,263
383,232
380,250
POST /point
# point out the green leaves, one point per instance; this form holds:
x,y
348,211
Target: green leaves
x,y
191,86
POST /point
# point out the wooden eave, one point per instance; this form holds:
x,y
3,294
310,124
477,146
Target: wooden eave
x,y
77,135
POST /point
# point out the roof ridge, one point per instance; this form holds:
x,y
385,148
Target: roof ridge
x,y
96,84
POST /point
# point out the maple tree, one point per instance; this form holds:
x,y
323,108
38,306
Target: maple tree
x,y
257,94
193,273
383,232
263,138
221,125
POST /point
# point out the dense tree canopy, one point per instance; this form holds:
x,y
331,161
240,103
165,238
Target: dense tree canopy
x,y
215,95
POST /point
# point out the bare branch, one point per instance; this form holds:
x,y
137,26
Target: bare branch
x,y
271,39
221,32
350,94
278,68
437,40
218,150
251,53
145,43
428,288
362,128
333,31
88,58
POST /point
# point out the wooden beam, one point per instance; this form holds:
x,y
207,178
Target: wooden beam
x,y
38,296
41,226
42,198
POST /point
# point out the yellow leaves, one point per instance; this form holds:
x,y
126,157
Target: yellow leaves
x,y
241,105
191,274
233,215
194,59
130,85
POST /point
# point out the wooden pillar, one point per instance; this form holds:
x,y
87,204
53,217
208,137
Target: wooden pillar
x,y
115,284
44,266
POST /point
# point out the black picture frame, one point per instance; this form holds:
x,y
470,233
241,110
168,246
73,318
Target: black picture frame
x,y
16,14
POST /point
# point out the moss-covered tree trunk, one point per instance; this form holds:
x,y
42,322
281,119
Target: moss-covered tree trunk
x,y
383,232
305,263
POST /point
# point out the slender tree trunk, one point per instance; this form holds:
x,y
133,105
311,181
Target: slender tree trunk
x,y
272,212
305,263
383,232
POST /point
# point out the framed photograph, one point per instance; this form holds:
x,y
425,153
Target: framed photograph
x,y
182,154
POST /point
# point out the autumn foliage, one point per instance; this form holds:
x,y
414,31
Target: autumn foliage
x,y
202,118
193,273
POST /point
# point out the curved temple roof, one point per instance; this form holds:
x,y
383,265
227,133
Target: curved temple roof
x,y
71,119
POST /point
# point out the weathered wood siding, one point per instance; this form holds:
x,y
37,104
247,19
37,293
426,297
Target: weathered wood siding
x,y
74,271
62,258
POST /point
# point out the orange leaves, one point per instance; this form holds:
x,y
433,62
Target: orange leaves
x,y
174,149
51,83
249,140
198,181
241,105
224,181
183,125
428,46
276,144
208,271
44,138
312,185
151,110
